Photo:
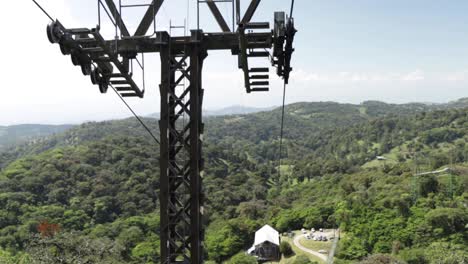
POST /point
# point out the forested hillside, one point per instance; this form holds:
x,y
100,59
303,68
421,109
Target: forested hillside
x,y
12,135
96,185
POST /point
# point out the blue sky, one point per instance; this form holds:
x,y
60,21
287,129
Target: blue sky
x,y
346,51
384,35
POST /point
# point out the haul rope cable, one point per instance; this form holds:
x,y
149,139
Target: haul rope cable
x,y
136,116
282,111
121,98
40,7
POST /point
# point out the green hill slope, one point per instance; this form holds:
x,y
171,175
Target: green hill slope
x,y
97,184
12,135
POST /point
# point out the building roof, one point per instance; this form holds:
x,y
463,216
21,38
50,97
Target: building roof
x,y
266,233
250,250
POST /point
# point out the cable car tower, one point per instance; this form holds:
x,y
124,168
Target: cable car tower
x,y
109,63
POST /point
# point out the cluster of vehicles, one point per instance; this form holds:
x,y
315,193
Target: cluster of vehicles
x,y
315,235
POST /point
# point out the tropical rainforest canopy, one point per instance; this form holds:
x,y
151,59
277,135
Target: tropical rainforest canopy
x,y
91,192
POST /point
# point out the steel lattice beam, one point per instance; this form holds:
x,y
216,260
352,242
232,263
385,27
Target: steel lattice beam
x,y
117,17
181,162
150,14
212,41
250,11
218,16
181,194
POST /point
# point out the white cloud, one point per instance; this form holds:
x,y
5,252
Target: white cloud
x,y
417,75
349,76
456,76
41,85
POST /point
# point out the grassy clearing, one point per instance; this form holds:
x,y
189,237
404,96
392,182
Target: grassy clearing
x,y
363,111
233,120
297,251
286,169
316,245
392,156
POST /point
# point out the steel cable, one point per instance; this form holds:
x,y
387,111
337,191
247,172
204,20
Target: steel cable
x,y
40,7
121,98
282,111
136,116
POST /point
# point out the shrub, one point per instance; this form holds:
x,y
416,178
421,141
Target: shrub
x,y
380,259
242,258
285,249
301,259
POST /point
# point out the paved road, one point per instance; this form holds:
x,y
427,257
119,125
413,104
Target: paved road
x,y
315,253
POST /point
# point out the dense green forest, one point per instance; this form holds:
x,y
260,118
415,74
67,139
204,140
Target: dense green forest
x,y
11,135
91,192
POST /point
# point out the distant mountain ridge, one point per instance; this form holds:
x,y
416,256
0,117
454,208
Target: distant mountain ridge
x,y
316,115
418,106
10,135
99,181
230,110
374,108
237,109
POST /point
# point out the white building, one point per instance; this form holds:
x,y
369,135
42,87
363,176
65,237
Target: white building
x,y
266,244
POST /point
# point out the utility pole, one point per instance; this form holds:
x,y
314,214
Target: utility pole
x,y
110,63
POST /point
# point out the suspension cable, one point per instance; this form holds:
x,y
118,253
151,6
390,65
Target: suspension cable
x,y
281,130
136,116
40,7
282,111
292,8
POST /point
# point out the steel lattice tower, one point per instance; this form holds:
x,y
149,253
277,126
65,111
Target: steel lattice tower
x,y
110,63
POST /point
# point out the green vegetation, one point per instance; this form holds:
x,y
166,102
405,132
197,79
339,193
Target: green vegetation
x,y
286,249
242,258
381,259
316,245
297,251
11,135
96,185
303,260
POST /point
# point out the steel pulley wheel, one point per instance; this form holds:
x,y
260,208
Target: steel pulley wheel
x,y
86,69
103,87
74,59
52,33
66,50
95,77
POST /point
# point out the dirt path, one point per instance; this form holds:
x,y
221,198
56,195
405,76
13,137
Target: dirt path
x,y
315,253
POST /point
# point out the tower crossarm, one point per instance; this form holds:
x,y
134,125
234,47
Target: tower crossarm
x,y
150,14
212,41
89,50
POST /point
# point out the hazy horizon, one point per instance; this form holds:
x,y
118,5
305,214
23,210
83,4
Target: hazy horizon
x,y
129,115
346,51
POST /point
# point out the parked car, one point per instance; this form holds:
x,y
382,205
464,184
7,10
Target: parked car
x,y
307,236
322,251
